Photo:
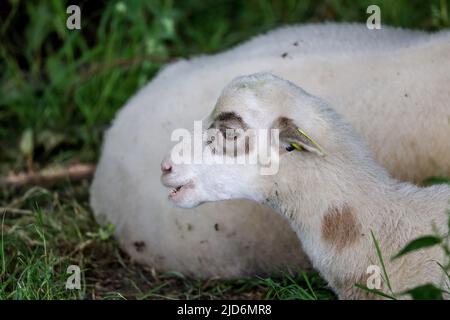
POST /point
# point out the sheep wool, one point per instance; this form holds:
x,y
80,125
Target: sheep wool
x,y
391,84
337,201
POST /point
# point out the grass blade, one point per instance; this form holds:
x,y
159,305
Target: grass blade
x,y
381,260
419,243
375,291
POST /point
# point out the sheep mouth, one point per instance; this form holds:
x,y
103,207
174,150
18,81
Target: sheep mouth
x,y
180,189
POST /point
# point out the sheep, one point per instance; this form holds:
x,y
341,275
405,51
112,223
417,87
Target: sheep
x,y
390,84
328,186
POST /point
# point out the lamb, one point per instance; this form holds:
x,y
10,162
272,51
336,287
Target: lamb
x,y
392,85
328,186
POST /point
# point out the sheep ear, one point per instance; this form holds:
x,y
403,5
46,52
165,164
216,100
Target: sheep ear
x,y
299,139
308,143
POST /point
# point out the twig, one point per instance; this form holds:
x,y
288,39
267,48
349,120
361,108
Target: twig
x,y
48,176
80,248
15,211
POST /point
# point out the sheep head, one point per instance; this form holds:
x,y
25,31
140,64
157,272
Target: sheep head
x,y
287,132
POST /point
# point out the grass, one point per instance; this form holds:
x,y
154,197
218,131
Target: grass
x,y
44,231
68,84
59,90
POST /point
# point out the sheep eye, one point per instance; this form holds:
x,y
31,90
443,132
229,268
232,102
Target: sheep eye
x,y
290,148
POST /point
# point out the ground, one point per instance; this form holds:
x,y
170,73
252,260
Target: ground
x,y
59,90
46,230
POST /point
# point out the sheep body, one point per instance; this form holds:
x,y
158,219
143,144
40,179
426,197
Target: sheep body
x,y
335,202
391,84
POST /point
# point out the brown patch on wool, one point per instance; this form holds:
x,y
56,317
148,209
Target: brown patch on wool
x,y
283,122
225,117
340,227
288,130
231,126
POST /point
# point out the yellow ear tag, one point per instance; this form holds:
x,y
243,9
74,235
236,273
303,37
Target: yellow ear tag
x,y
296,146
310,140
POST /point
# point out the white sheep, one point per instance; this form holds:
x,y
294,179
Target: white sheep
x,y
331,190
392,85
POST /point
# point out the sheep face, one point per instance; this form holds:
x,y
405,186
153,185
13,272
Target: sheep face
x,y
251,134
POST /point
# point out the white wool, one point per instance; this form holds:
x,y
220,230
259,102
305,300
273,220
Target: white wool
x,y
334,202
392,85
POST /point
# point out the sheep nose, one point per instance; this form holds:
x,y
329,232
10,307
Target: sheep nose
x,y
166,167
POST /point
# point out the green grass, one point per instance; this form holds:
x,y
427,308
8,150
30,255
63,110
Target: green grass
x,y
59,90
44,231
303,287
71,83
